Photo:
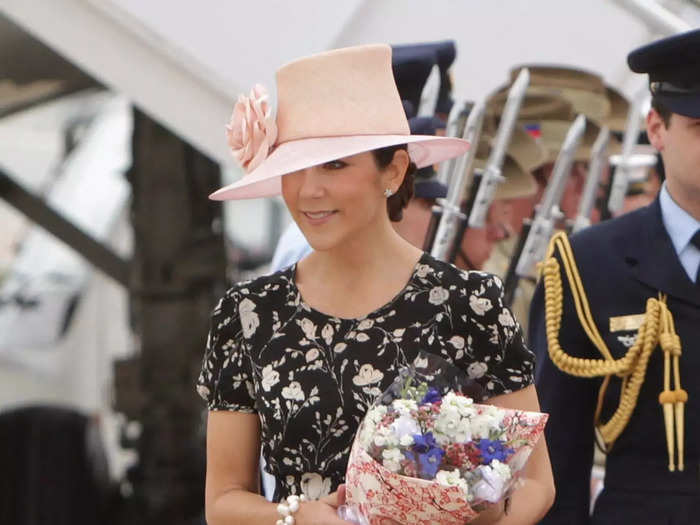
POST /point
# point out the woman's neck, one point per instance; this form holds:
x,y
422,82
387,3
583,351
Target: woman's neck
x,y
368,250
373,266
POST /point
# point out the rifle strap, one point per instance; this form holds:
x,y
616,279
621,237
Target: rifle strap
x,y
656,328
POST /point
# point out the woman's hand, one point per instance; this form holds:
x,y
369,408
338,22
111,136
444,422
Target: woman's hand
x,y
323,511
318,513
336,499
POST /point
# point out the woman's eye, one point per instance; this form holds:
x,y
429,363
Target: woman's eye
x,y
334,165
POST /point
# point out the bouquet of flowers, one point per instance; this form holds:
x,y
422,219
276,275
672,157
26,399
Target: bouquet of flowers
x,y
427,453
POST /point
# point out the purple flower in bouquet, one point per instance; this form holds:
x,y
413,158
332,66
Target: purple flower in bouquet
x,y
430,462
422,443
493,449
427,452
431,396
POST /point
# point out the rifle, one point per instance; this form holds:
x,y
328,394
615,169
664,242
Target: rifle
x,y
452,220
620,181
547,213
491,176
595,172
454,129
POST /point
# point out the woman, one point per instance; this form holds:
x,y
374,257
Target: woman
x,y
294,359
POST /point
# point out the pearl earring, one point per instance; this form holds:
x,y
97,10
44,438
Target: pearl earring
x,y
388,193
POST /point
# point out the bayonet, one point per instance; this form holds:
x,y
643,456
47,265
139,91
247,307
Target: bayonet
x,y
452,217
454,122
492,177
599,161
620,182
548,213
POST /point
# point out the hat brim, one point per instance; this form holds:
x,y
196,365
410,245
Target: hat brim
x,y
687,105
265,180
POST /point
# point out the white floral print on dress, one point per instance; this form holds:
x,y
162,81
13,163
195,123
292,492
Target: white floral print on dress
x,y
311,377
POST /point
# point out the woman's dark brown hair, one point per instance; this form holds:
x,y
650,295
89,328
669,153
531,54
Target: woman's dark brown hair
x,y
399,200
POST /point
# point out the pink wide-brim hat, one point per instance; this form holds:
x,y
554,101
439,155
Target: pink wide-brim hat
x,y
331,105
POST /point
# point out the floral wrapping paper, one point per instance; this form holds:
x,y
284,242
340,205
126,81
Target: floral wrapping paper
x,y
384,497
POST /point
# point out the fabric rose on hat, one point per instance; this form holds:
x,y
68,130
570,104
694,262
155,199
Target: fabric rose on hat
x,y
252,131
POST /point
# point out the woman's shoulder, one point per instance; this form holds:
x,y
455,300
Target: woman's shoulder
x,y
449,274
272,287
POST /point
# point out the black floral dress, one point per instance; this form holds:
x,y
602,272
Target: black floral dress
x,y
311,377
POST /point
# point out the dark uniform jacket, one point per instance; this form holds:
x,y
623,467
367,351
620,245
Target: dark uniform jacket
x,y
622,262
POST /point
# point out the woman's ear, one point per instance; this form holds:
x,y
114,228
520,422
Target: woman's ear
x,y
395,172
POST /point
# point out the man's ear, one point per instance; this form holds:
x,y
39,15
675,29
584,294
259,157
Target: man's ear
x,y
656,130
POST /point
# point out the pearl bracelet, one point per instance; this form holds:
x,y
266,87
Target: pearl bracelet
x,y
287,509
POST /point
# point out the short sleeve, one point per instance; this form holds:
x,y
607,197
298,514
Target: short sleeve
x,y
226,379
496,355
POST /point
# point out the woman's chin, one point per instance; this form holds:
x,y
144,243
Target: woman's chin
x,y
321,243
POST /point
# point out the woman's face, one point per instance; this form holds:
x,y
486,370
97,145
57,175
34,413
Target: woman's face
x,y
341,200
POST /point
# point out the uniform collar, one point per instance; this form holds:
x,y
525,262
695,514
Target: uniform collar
x,y
679,224
651,257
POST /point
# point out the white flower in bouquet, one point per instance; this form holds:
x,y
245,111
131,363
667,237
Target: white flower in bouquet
x,y
372,419
462,404
494,480
453,423
392,458
489,420
385,437
404,406
450,427
452,479
376,414
406,440
405,426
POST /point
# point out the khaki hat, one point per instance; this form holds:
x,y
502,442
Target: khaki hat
x,y
619,107
617,120
584,90
535,105
553,133
519,182
524,155
526,149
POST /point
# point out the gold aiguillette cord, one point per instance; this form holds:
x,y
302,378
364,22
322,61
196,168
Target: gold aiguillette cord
x,y
656,329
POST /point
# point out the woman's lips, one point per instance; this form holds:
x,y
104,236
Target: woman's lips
x,y
318,217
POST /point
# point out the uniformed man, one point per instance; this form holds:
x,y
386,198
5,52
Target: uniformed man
x,y
523,156
547,113
640,269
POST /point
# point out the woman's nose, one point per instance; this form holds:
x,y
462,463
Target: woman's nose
x,y
310,184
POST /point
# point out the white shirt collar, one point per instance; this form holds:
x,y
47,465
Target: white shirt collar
x,y
680,225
